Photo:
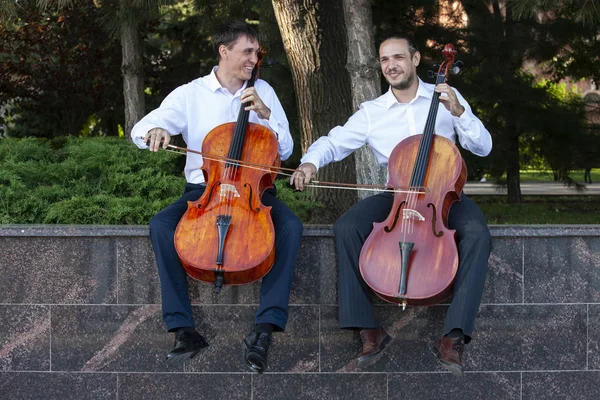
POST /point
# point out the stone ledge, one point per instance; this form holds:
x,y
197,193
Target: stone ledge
x,y
309,230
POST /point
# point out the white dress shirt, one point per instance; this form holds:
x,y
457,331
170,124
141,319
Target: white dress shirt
x,y
195,108
384,122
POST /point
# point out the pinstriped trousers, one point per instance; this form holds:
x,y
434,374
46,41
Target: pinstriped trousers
x,y
474,247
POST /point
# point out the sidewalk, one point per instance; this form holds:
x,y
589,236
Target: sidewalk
x,y
530,188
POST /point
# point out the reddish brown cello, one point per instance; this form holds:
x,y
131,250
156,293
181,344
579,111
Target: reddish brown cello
x,y
227,235
411,258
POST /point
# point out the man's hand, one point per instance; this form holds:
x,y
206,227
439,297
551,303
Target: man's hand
x,y
249,95
155,136
450,101
303,175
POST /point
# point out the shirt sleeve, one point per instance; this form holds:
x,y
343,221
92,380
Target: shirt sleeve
x,y
170,116
471,133
341,140
277,121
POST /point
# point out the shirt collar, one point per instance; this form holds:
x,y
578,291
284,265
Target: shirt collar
x,y
422,91
214,84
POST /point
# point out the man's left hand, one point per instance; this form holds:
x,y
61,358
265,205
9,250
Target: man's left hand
x,y
450,101
249,95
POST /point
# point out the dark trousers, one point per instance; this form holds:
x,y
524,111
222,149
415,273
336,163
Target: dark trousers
x,y
276,285
474,246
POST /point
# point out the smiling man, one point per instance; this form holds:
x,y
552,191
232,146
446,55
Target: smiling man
x,y
193,110
383,123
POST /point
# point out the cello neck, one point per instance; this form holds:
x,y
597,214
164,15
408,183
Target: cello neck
x,y
239,136
420,168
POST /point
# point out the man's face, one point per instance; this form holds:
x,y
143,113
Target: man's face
x,y
397,65
240,59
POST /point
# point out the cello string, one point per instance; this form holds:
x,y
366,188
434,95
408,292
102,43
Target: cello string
x,y
428,136
425,144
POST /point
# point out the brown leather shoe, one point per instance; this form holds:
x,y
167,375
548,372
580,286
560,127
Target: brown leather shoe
x,y
450,350
373,342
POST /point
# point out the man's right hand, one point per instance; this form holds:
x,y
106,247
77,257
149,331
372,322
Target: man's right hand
x,y
155,136
303,175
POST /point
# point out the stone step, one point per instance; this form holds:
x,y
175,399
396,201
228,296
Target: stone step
x,y
80,308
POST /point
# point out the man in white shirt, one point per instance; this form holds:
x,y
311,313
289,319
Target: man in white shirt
x,y
193,110
382,123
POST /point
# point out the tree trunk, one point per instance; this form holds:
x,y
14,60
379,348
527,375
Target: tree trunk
x,y
314,37
365,77
276,72
513,168
133,75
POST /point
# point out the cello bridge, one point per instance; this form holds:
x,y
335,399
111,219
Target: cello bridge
x,y
407,213
226,189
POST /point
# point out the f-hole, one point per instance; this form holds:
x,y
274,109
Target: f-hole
x,y
434,221
388,229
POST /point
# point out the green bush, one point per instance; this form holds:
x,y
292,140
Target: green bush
x,y
84,181
94,181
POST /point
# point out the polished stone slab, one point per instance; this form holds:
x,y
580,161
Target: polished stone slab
x,y
413,332
319,386
562,270
594,337
529,337
184,386
506,338
296,350
572,385
26,230
57,386
445,386
58,270
24,338
315,277
109,338
315,280
504,282
133,338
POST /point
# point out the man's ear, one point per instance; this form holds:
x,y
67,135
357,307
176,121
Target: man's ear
x,y
223,51
416,58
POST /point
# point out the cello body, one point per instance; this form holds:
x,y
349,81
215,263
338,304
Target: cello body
x,y
248,250
433,258
411,258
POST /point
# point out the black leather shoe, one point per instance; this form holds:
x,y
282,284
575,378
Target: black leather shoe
x,y
188,343
256,348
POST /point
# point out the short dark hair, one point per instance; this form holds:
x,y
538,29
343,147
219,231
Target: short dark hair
x,y
412,46
228,33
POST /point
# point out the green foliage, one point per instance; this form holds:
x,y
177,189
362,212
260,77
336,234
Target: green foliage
x,y
540,210
95,181
298,202
84,181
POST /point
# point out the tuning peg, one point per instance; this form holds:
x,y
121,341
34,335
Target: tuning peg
x,y
456,67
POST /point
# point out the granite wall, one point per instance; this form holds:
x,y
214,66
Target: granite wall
x,y
80,319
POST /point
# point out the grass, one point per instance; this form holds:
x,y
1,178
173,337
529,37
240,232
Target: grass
x,y
544,210
540,210
546,176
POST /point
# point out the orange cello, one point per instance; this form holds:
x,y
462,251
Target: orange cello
x,y
227,235
411,257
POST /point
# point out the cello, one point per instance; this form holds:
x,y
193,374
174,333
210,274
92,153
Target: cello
x,y
227,235
411,258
